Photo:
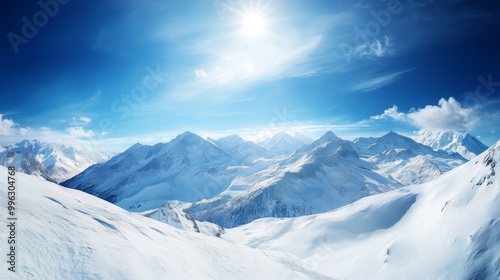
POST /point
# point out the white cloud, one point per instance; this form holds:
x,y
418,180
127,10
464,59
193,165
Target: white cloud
x,y
85,119
447,115
79,132
6,126
78,121
391,113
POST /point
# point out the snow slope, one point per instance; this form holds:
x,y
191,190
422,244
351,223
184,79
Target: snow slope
x,y
51,161
404,160
67,234
448,228
453,142
319,177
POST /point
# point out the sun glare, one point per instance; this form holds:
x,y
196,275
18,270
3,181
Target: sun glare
x,y
253,25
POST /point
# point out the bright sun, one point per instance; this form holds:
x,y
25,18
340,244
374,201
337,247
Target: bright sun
x,y
253,25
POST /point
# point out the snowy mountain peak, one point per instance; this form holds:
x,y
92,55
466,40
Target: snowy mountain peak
x,y
392,140
28,144
188,135
136,146
25,144
393,137
452,142
328,137
230,141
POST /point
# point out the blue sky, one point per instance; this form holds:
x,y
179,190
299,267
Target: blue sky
x,y
112,73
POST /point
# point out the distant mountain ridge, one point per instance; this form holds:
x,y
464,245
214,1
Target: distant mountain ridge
x,y
453,142
244,151
284,143
54,162
404,160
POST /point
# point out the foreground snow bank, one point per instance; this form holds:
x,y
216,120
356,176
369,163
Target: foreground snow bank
x,y
68,234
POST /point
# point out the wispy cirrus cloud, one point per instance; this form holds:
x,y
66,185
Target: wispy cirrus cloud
x,y
237,65
378,82
372,48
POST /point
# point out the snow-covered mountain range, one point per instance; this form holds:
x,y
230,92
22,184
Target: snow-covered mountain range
x,y
188,168
452,141
231,181
447,228
318,177
51,161
404,160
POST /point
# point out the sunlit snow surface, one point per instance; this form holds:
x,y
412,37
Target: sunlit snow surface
x,y
68,234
